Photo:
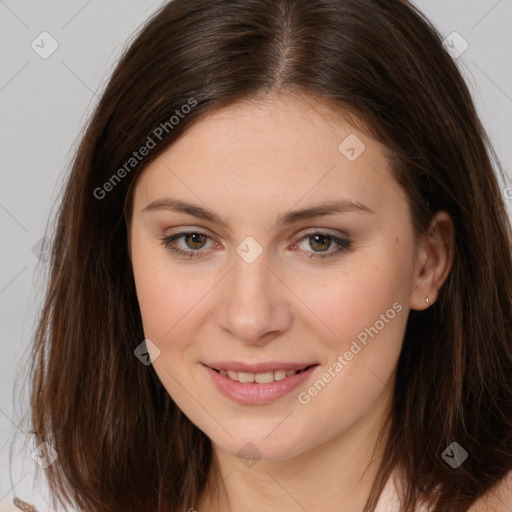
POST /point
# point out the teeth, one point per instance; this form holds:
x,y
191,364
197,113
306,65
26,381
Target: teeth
x,y
279,374
260,378
245,377
233,375
264,378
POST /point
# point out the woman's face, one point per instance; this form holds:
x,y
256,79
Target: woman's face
x,y
264,281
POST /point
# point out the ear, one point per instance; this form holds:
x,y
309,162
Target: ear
x,y
434,260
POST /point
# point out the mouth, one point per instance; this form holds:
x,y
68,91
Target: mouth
x,y
265,384
260,377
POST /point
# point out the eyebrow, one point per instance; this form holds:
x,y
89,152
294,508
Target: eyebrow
x,y
290,217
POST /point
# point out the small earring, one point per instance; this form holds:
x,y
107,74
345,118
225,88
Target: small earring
x,y
427,300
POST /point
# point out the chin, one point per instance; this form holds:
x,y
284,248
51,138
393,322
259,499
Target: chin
x,y
260,447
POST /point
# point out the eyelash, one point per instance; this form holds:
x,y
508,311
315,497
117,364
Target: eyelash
x,y
344,244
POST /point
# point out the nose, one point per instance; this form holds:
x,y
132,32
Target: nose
x,y
255,306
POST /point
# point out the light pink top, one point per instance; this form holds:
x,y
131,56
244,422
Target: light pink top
x,y
388,501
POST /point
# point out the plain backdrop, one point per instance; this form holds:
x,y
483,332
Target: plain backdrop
x,y
44,102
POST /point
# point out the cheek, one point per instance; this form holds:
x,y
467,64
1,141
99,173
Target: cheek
x,y
163,294
351,299
366,310
169,304
166,292
152,292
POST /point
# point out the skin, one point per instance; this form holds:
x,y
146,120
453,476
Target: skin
x,y
249,163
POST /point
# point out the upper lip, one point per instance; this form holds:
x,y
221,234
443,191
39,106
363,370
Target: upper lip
x,y
269,366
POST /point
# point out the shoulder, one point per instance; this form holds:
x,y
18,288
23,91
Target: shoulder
x,y
498,499
15,506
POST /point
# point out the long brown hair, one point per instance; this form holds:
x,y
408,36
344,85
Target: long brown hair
x,y
122,443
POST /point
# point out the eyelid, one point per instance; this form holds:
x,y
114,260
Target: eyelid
x,y
341,239
186,231
325,231
297,237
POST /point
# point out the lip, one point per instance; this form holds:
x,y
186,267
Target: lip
x,y
269,366
250,393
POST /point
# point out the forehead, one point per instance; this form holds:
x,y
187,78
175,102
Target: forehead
x,y
285,149
276,125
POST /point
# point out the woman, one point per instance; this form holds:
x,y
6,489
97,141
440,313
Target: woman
x,y
281,275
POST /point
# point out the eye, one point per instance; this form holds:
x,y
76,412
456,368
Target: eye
x,y
195,242
320,242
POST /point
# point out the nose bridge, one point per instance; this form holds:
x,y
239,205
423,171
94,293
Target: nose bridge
x,y
253,304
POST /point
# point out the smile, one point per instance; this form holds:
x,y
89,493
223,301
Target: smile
x,y
258,388
259,378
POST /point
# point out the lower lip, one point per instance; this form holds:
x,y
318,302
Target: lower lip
x,y
250,393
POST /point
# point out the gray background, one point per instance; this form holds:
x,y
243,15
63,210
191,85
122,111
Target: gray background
x,y
44,104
